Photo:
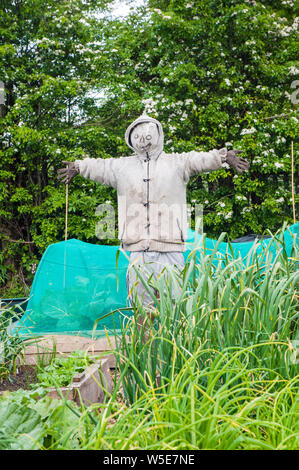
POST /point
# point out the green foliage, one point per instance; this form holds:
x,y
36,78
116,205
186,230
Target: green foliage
x,y
20,427
216,370
31,420
11,345
215,304
211,71
60,372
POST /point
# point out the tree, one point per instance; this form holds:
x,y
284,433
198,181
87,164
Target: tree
x,y
48,58
213,72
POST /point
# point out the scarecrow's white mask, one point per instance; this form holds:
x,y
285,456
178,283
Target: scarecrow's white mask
x,y
145,137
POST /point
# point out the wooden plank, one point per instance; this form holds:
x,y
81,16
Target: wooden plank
x,y
91,387
63,345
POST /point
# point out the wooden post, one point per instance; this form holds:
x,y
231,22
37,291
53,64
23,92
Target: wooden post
x,y
2,100
65,233
66,208
293,191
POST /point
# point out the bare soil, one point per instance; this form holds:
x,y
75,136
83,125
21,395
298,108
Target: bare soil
x,y
25,376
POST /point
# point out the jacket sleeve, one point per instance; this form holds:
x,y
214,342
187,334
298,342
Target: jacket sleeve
x,y
102,170
202,162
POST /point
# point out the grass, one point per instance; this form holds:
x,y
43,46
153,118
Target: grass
x,y
226,405
11,346
215,369
219,304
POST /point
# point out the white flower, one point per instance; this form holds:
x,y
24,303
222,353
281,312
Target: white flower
x,y
227,81
245,209
248,131
278,165
222,204
228,215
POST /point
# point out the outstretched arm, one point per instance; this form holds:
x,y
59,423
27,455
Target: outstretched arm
x,y
202,162
102,170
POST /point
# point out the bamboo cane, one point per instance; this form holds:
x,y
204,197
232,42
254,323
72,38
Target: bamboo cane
x,y
66,209
65,233
293,191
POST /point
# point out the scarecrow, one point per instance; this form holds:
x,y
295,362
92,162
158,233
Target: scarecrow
x,y
151,190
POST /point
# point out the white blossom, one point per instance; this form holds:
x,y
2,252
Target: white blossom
x,y
248,131
244,210
293,70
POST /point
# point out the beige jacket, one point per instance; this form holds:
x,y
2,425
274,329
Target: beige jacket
x,y
152,209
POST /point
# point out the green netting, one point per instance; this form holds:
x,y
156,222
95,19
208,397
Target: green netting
x,y
76,283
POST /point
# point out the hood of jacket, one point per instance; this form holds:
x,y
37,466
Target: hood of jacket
x,y
155,152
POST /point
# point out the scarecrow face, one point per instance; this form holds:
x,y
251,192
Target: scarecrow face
x,y
145,137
